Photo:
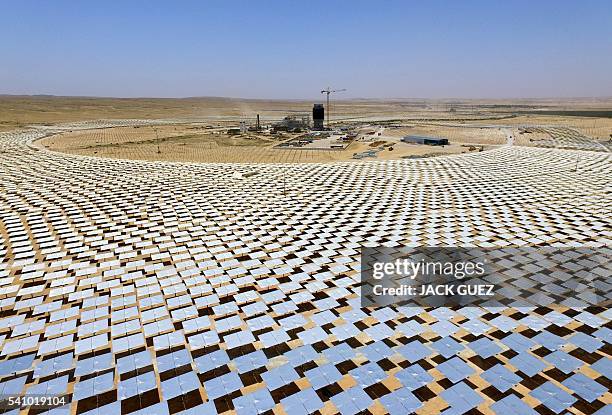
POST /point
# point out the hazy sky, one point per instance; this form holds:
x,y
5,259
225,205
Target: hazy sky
x,y
291,49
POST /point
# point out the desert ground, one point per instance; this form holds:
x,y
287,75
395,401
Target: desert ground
x,y
197,143
195,129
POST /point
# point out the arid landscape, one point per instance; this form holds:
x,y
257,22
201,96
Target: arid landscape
x,y
196,143
196,129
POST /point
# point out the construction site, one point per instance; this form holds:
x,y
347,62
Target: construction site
x,y
359,131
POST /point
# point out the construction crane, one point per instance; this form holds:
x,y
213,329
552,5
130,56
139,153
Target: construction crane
x,y
329,91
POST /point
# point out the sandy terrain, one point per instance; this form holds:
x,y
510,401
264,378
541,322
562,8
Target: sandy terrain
x,y
462,135
22,110
196,143
598,128
197,136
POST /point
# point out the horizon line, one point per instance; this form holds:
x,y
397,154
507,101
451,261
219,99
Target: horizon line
x,y
546,98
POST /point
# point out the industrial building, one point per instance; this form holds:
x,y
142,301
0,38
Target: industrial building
x,y
318,116
293,123
430,141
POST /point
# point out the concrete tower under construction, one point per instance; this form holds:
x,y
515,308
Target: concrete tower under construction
x,y
318,116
